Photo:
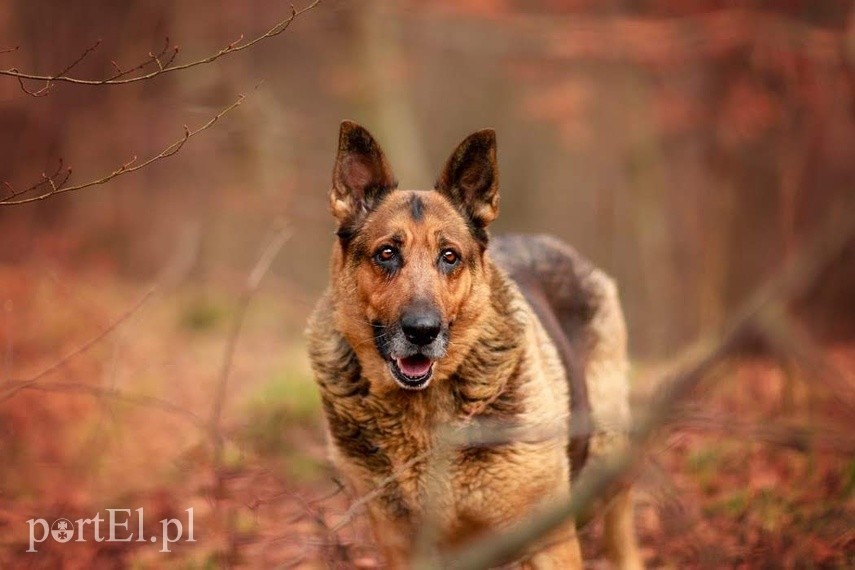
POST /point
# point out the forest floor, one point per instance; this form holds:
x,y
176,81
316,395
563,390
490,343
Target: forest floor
x,y
756,470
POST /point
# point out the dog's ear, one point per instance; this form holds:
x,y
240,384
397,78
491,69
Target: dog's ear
x,y
361,176
470,179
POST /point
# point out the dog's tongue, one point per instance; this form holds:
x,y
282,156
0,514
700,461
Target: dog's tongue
x,y
414,366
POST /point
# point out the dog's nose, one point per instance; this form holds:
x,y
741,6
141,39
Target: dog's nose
x,y
421,327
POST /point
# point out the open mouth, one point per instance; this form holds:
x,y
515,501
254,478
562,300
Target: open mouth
x,y
412,372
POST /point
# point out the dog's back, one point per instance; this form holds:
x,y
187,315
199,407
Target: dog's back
x,y
578,306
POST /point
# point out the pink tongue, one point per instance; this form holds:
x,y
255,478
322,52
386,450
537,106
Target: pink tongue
x,y
414,366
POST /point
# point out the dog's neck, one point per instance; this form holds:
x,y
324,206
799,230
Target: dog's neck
x,y
485,382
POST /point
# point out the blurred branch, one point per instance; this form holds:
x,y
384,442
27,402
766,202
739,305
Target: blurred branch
x,y
54,184
789,342
350,514
162,61
14,387
253,280
796,437
110,394
259,270
805,269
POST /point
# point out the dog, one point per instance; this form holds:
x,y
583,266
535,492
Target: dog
x,y
430,325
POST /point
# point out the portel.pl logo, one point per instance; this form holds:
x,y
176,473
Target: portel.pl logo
x,y
114,528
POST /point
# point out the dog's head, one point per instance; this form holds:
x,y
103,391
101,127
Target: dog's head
x,y
408,272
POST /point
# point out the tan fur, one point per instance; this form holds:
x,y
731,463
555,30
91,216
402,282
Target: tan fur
x,y
501,366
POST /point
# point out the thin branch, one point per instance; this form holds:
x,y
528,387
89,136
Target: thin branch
x,y
350,514
15,387
792,282
111,394
52,180
259,270
262,266
161,67
49,84
152,58
126,168
796,437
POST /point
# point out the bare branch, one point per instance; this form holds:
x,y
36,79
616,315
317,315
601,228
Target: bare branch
x,y
262,266
49,84
109,393
126,168
120,78
14,387
52,180
797,437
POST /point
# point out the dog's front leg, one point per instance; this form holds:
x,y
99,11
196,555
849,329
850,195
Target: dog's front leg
x,y
562,552
619,532
393,535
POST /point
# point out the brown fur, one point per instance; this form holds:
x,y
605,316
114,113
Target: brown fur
x,y
532,336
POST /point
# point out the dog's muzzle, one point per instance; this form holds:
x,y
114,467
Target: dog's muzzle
x,y
412,346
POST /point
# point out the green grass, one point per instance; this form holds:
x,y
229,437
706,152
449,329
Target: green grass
x,y
705,465
202,314
278,416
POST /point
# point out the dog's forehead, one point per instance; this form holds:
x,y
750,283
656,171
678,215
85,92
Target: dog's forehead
x,y
414,210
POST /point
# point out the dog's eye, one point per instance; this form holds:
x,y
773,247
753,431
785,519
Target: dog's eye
x,y
385,254
450,257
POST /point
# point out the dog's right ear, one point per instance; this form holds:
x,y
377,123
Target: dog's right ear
x,y
361,176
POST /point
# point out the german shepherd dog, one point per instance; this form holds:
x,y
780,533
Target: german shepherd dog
x,y
429,325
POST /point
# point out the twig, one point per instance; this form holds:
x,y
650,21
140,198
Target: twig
x,y
51,179
262,266
797,437
45,90
126,168
213,424
272,248
350,514
789,342
803,271
120,79
15,387
110,394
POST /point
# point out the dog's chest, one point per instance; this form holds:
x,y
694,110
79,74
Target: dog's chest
x,y
465,489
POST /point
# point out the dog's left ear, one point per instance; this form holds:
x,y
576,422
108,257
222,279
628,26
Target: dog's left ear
x,y
470,178
361,176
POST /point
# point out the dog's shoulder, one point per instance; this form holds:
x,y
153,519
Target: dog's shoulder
x,y
334,363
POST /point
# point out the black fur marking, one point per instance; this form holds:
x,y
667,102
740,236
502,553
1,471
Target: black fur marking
x,y
356,440
478,231
417,208
381,339
349,230
339,375
375,193
345,235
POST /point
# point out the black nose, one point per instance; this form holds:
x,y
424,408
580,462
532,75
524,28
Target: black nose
x,y
421,327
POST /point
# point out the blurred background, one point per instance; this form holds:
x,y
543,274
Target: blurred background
x,y
687,147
